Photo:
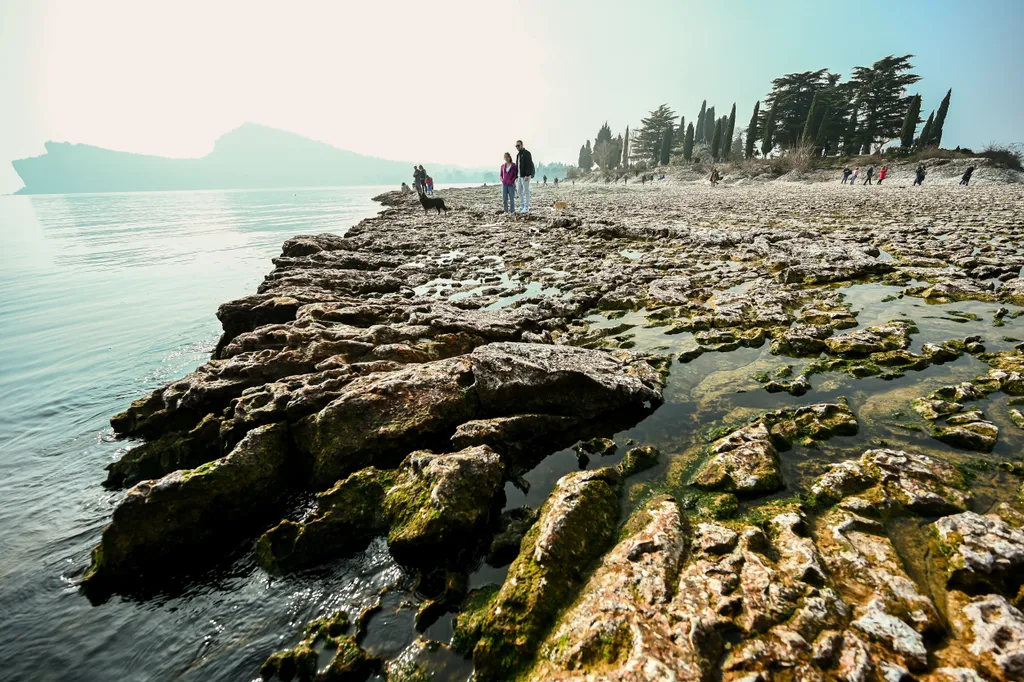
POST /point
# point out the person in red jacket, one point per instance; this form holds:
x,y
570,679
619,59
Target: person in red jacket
x,y
430,185
882,173
508,172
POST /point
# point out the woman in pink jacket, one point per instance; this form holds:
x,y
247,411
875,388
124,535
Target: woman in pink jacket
x,y
508,172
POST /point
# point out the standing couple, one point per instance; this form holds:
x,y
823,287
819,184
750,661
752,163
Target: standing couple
x,y
515,178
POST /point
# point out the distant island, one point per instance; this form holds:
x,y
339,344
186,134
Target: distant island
x,y
250,157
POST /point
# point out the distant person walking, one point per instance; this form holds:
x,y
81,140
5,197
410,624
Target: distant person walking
x,y
524,162
853,178
430,185
871,171
643,179
714,177
882,173
545,179
919,175
846,174
508,185
967,176
556,182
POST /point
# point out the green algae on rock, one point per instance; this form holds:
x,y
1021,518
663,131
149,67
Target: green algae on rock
x,y
169,452
576,524
160,525
348,662
746,461
346,517
884,482
638,459
429,503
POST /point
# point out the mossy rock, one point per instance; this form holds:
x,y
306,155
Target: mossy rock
x,y
346,517
161,526
471,616
167,453
721,506
638,459
576,525
328,634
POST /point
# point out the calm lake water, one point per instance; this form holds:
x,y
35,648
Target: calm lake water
x,y
104,297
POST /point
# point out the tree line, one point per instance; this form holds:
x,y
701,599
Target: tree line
x,y
813,110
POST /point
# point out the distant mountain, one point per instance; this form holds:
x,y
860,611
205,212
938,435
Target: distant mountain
x,y
250,157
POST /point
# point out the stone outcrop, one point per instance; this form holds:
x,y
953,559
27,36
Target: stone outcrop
x,y
481,346
431,503
574,527
746,461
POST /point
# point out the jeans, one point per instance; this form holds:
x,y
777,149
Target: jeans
x,y
508,198
523,185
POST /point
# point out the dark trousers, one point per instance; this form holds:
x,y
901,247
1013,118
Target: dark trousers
x,y
868,181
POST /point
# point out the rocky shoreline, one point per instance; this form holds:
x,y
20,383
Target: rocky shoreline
x,y
859,517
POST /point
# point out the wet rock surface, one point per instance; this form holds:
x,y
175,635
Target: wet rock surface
x,y
831,518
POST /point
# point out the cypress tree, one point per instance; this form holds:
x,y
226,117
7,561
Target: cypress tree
x,y
730,130
709,125
767,143
716,139
699,132
666,145
586,161
813,122
850,144
910,122
752,131
625,149
688,143
821,138
681,132
927,131
940,119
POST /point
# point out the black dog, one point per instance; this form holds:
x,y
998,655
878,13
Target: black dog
x,y
432,202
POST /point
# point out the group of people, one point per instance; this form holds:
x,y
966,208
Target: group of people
x,y
852,176
515,180
423,183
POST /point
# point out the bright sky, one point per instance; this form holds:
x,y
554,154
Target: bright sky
x,y
458,82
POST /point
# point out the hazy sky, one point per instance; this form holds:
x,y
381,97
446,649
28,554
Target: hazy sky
x,y
458,82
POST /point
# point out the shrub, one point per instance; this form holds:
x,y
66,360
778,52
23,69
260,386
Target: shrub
x,y
1004,155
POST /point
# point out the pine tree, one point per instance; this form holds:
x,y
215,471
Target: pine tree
x,y
699,132
730,130
926,132
767,141
940,119
648,137
625,149
752,131
880,94
688,143
666,145
910,122
716,139
586,161
709,125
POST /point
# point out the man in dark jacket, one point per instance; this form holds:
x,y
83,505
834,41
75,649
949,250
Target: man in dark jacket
x,y
524,162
